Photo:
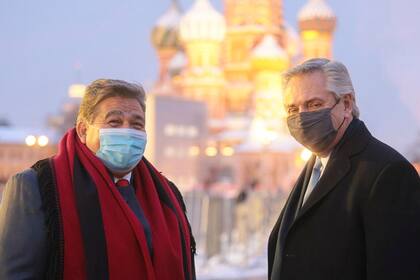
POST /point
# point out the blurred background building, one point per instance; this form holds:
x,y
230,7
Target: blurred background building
x,y
220,74
232,62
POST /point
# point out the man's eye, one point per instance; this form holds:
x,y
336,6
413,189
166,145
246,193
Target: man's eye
x,y
114,122
138,125
315,105
292,111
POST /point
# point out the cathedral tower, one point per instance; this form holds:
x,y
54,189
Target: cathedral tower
x,y
317,24
165,39
247,22
269,60
202,30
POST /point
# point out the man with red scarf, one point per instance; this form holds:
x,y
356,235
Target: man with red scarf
x,y
97,209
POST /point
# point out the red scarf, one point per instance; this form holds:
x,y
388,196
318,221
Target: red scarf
x,y
128,256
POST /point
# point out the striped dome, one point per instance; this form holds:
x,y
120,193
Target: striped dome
x,y
165,31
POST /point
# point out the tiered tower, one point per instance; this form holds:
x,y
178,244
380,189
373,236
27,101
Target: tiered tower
x,y
247,22
215,60
165,39
317,24
269,60
202,31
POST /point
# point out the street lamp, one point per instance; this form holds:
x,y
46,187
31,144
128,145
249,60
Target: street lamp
x,y
211,151
228,151
30,140
43,141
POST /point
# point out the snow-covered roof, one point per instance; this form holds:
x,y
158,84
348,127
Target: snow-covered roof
x,y
281,143
249,147
269,48
284,143
232,135
178,61
316,9
231,122
14,135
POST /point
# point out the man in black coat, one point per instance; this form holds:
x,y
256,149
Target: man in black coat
x,y
354,212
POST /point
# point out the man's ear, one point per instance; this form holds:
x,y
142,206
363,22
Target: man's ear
x,y
81,129
348,105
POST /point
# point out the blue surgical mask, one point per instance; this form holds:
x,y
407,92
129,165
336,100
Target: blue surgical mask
x,y
121,149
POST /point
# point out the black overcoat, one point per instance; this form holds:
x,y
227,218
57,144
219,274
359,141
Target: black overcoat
x,y
362,220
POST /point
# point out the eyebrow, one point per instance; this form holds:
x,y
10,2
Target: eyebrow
x,y
114,112
313,100
120,113
138,117
306,102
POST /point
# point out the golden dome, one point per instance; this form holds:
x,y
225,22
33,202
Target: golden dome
x,y
202,22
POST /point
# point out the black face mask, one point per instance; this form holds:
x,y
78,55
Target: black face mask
x,y
314,130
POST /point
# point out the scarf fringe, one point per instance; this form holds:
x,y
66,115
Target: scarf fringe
x,y
51,208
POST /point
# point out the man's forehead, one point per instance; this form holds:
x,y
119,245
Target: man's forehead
x,y
306,86
119,106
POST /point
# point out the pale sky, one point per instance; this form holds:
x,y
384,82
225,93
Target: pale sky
x,y
42,42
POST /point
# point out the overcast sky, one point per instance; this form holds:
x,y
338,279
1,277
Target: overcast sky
x,y
42,42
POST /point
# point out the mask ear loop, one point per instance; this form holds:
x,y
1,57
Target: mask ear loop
x,y
341,124
344,118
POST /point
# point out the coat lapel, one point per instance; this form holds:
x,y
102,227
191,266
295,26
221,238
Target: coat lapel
x,y
293,204
307,177
354,140
336,169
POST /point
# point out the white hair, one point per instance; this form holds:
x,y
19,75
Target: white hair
x,y
338,78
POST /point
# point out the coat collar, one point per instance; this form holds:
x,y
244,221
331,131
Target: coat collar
x,y
354,140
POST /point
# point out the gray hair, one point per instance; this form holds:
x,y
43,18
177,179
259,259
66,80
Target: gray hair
x,y
102,89
338,78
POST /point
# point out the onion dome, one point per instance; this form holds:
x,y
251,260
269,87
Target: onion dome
x,y
165,31
316,9
268,54
202,22
317,15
